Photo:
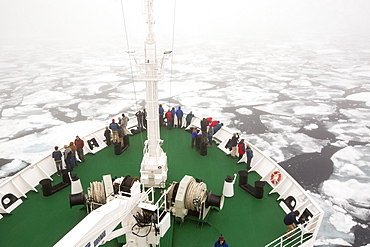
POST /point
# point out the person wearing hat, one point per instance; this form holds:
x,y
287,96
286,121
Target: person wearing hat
x,y
221,242
114,127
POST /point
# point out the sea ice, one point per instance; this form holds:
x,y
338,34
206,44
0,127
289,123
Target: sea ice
x,y
103,108
343,191
244,111
350,131
343,222
313,93
364,96
245,95
332,242
281,124
34,147
22,124
352,162
301,83
358,115
272,144
297,108
46,96
12,167
311,127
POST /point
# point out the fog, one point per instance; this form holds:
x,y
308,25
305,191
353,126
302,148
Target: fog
x,y
25,21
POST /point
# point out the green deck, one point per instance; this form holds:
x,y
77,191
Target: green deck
x,y
244,221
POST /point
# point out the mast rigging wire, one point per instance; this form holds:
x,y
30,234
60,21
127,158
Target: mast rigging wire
x,y
171,63
132,73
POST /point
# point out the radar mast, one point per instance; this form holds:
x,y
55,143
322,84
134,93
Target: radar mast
x,y
150,69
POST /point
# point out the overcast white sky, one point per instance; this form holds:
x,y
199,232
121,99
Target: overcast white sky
x,y
76,19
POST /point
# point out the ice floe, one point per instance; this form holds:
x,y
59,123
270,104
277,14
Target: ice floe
x,y
298,107
350,130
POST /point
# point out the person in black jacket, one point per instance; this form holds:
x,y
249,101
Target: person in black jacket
x,y
290,221
57,155
233,144
107,136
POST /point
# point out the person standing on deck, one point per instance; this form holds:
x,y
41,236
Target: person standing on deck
x,y
79,148
68,157
249,152
74,159
114,127
139,116
233,144
189,117
221,242
57,155
145,122
210,133
169,118
124,123
290,221
107,136
120,136
161,115
241,149
173,111
179,115
217,126
194,135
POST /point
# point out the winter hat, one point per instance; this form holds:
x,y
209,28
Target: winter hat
x,y
221,238
112,120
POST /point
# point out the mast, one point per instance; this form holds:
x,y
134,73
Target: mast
x,y
150,58
150,69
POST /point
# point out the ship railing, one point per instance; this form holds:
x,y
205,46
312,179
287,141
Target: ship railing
x,y
291,194
13,188
300,236
160,205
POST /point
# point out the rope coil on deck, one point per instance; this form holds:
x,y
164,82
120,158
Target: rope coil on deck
x,y
96,192
195,194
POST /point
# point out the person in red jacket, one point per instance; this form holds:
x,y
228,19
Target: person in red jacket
x,y
169,117
241,149
79,148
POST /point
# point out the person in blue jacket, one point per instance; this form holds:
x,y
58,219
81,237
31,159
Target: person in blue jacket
x,y
290,220
217,126
221,242
114,127
249,152
194,135
161,115
179,115
173,111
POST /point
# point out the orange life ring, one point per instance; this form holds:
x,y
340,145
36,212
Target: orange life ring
x,y
275,177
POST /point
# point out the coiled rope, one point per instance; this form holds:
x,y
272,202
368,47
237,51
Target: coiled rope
x,y
96,192
195,194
